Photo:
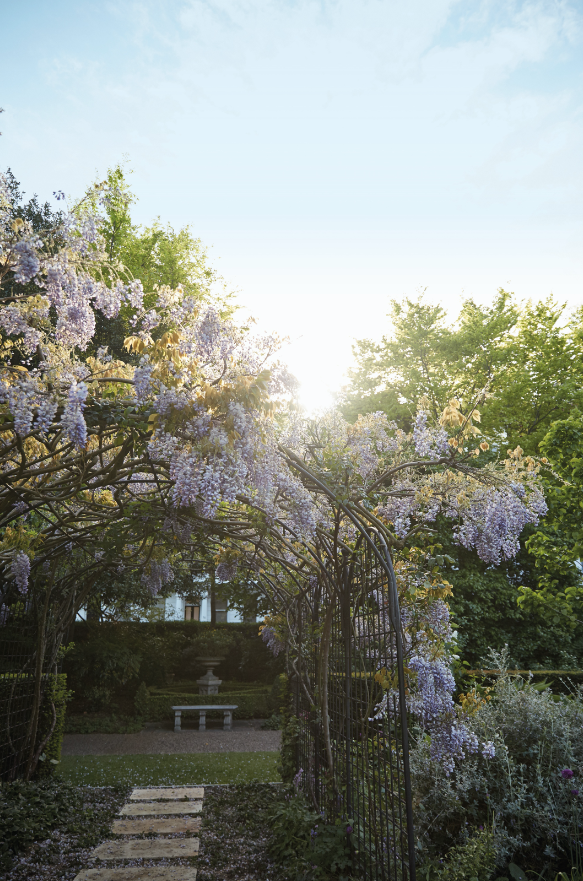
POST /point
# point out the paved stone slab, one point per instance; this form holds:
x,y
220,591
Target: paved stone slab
x,y
155,826
133,873
155,809
167,792
146,849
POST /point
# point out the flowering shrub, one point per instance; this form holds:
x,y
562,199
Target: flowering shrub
x,y
525,778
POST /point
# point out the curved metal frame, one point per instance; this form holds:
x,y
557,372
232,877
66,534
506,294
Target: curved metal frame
x,y
384,558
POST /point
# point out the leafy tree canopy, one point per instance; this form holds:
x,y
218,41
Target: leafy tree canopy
x,y
521,364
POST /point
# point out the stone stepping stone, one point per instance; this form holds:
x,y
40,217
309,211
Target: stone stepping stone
x,y
155,826
146,849
167,792
154,809
133,873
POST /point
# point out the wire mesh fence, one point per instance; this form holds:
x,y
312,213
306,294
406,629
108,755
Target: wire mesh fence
x,y
352,754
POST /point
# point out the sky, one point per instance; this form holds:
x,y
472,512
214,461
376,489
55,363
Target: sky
x,y
333,156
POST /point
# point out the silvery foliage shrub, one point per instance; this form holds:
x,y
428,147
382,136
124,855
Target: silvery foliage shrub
x,y
526,780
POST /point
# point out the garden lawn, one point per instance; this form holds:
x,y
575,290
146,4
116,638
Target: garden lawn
x,y
170,770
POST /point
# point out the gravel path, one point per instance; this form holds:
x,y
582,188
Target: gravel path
x,y
246,736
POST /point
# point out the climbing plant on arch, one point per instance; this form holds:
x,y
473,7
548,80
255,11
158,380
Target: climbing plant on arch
x,y
112,466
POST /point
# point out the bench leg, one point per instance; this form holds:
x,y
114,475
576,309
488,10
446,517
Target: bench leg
x,y
177,715
228,719
202,720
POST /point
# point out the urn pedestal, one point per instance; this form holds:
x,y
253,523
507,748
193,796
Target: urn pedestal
x,y
209,683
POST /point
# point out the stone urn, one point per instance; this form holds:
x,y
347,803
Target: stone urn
x,y
209,683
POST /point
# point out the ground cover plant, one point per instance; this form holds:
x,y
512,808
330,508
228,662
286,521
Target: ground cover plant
x,y
258,832
169,769
49,828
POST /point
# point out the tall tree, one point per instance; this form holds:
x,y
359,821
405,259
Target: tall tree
x,y
158,255
523,367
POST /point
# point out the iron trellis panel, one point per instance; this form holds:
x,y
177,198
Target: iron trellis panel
x,y
17,687
369,785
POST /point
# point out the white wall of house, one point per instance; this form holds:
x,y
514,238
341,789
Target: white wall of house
x,y
174,609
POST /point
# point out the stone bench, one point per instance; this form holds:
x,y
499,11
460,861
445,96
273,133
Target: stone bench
x,y
202,711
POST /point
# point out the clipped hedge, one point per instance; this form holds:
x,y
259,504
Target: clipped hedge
x,y
250,705
91,724
157,648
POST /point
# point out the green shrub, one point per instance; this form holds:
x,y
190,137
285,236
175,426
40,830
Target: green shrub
x,y
105,663
55,693
532,784
141,701
290,730
301,840
472,861
99,697
109,649
279,694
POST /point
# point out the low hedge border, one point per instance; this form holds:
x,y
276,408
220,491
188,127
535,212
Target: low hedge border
x,y
102,725
249,706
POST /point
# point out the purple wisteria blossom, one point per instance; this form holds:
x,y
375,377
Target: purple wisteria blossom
x,y
272,640
20,569
493,519
143,379
26,261
73,420
157,575
226,570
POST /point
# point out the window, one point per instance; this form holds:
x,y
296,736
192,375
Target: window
x,y
191,613
221,607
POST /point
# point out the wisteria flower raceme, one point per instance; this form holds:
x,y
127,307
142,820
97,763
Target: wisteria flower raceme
x,y
156,575
21,571
73,420
271,639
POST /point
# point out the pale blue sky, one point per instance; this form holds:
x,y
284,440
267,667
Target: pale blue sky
x,y
334,155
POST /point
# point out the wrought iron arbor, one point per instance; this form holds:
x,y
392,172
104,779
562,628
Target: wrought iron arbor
x,y
352,760
348,678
